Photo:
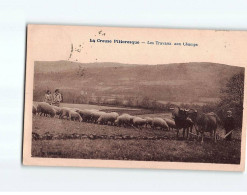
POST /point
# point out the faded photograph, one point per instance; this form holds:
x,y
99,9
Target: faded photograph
x,y
135,98
187,112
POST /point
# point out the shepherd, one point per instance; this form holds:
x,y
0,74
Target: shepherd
x,y
57,98
48,97
229,125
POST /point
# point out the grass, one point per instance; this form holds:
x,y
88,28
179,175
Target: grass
x,y
152,150
172,150
99,107
148,150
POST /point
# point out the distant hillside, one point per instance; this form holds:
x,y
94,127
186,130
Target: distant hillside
x,y
56,66
183,82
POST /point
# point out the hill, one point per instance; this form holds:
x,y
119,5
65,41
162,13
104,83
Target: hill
x,y
57,66
182,82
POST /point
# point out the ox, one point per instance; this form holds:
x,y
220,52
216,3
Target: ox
x,y
182,120
204,122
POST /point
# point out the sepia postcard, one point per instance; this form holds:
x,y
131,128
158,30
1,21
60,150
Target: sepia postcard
x,y
135,98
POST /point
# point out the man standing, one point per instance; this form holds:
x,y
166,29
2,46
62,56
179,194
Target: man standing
x,y
57,98
229,125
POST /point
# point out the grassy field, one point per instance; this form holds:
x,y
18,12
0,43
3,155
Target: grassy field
x,y
149,150
91,106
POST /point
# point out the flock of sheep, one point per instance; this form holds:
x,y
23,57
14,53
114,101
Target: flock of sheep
x,y
100,117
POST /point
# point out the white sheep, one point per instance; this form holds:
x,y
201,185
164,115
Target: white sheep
x,y
108,118
149,121
95,115
74,116
139,122
64,112
159,122
171,123
45,109
125,120
57,110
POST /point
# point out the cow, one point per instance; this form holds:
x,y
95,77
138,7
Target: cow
x,y
204,122
182,121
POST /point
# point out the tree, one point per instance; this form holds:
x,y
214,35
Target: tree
x,y
232,97
234,90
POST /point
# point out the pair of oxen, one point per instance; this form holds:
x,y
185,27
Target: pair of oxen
x,y
186,119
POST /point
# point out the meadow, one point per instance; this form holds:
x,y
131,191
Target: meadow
x,y
60,138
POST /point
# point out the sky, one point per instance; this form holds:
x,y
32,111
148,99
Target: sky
x,y
53,43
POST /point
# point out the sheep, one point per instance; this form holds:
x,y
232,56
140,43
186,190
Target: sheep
x,y
64,112
159,122
74,116
46,109
57,110
149,121
34,110
73,109
86,115
94,110
95,115
115,114
139,122
171,123
69,113
124,119
108,118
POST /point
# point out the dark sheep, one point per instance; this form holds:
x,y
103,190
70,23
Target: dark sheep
x,y
34,110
